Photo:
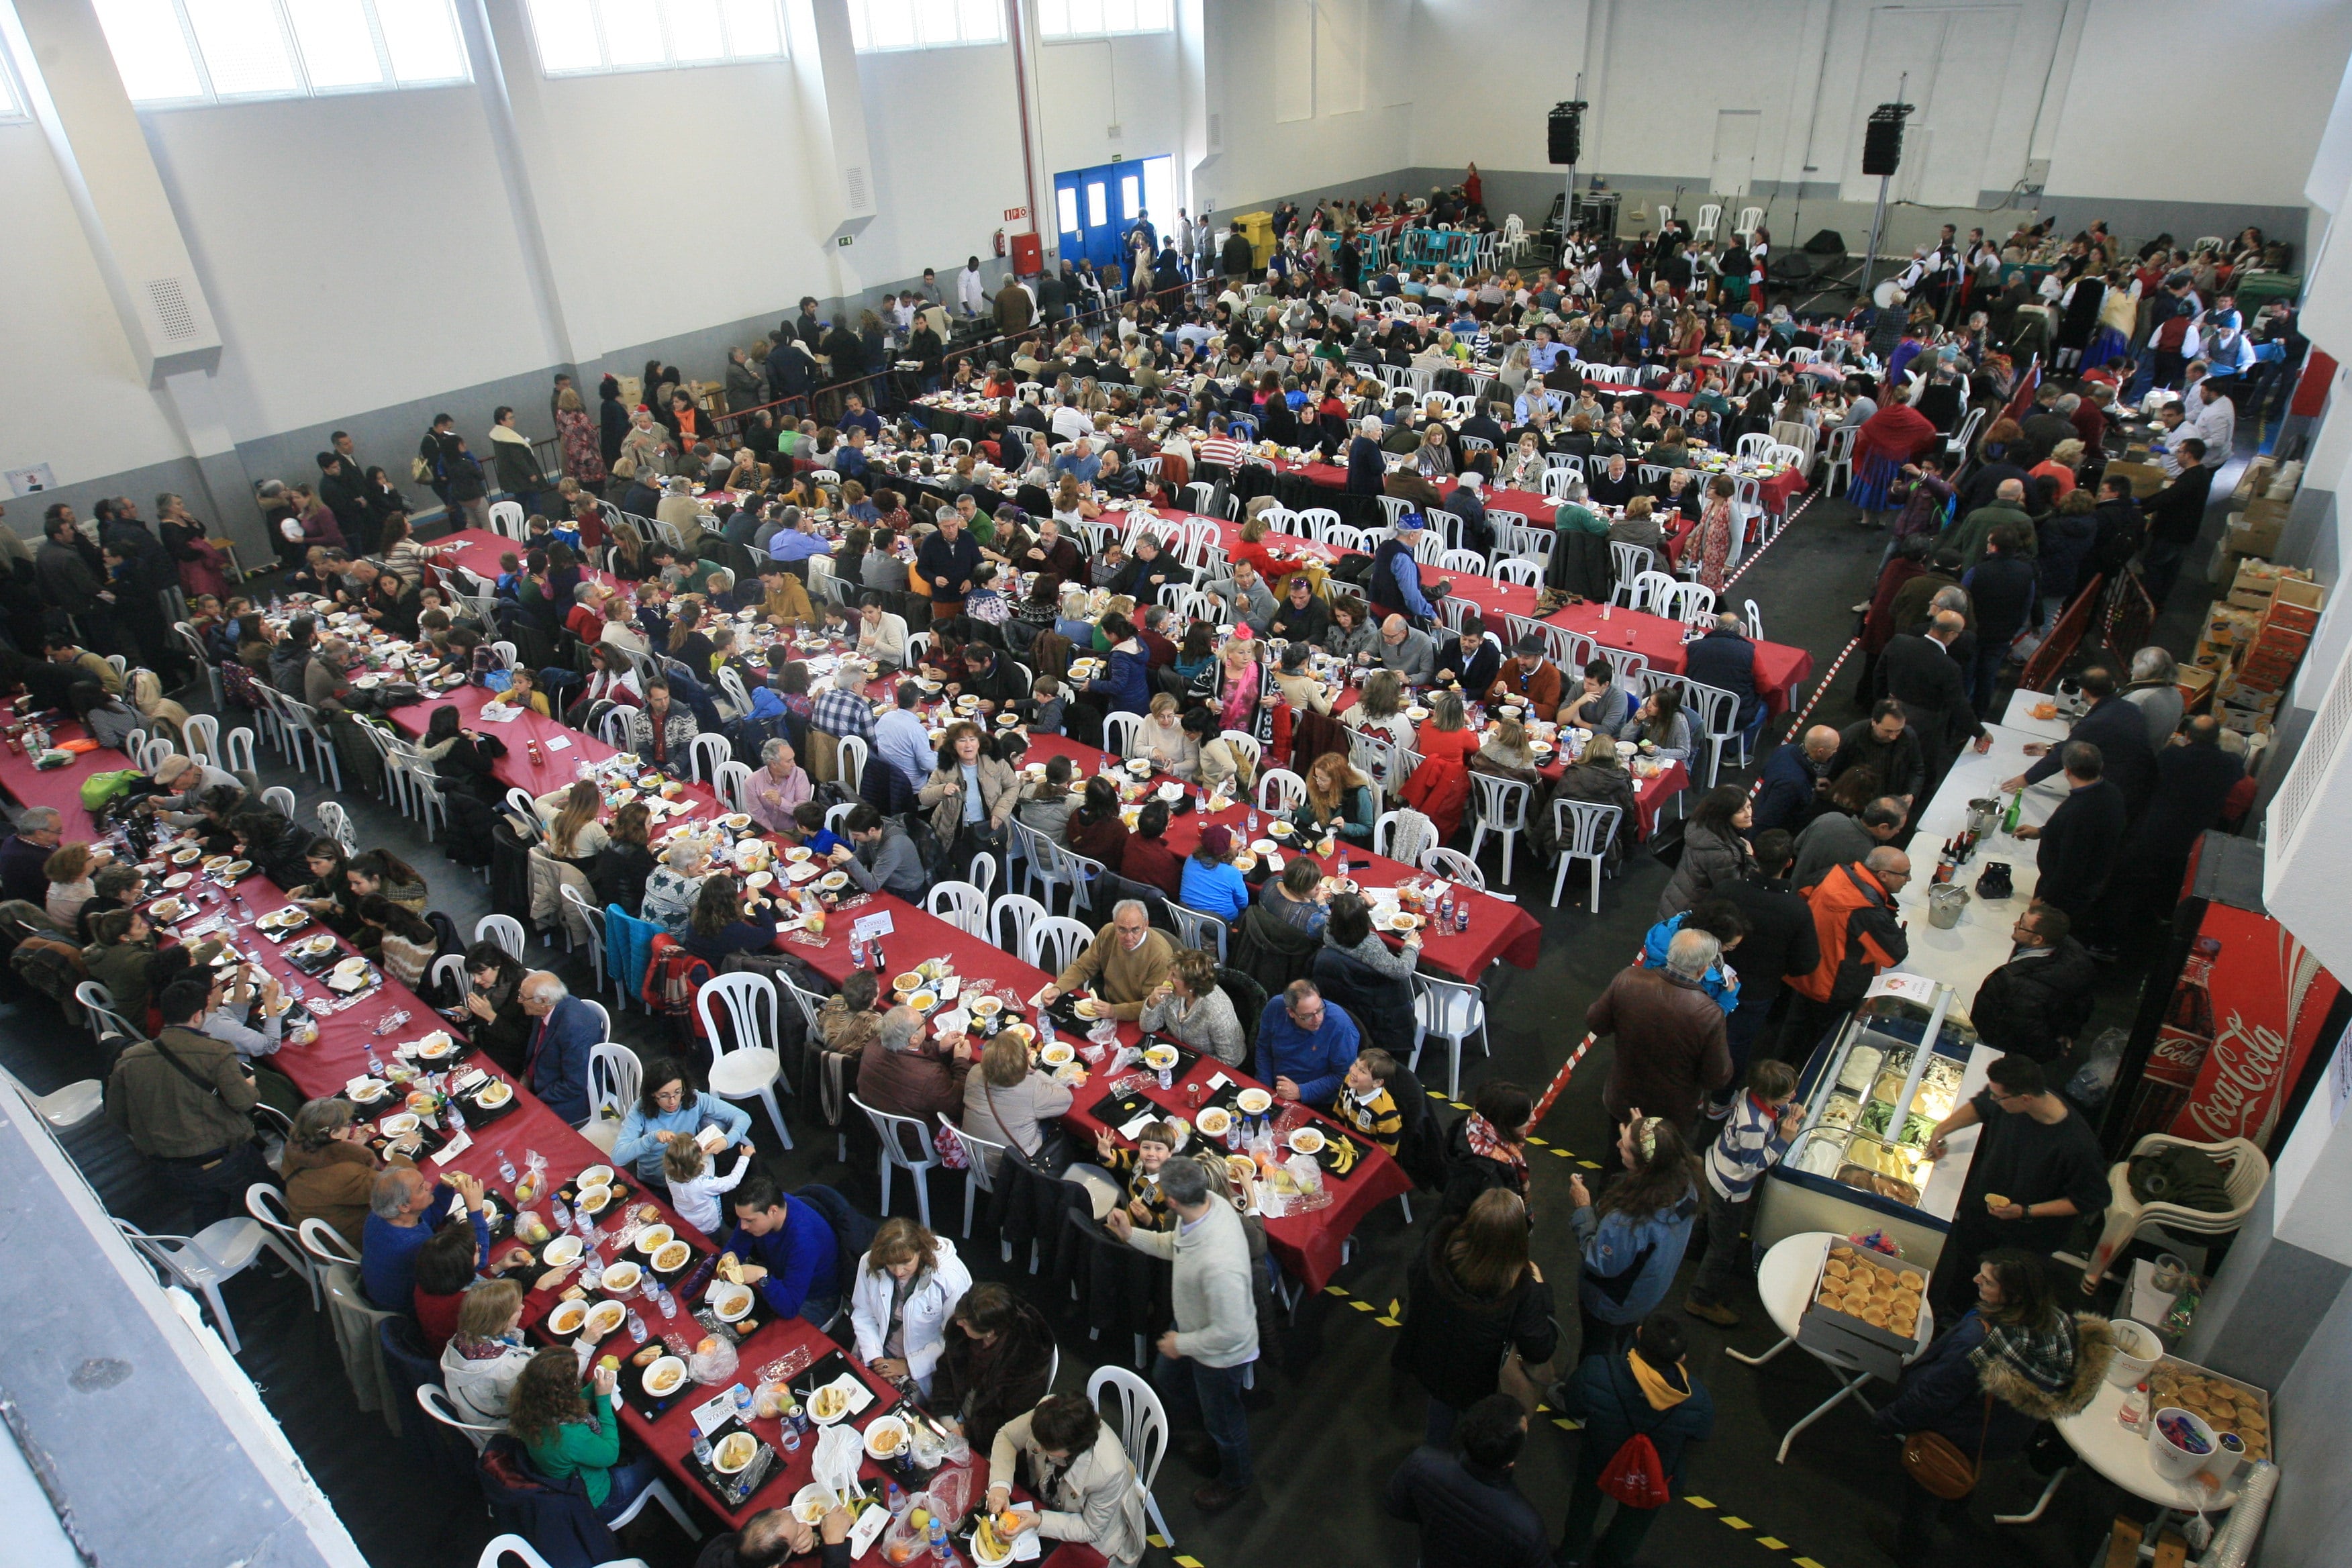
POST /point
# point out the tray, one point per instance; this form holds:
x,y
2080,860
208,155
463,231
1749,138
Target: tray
x,y
1116,1111
826,1369
733,1491
1328,1155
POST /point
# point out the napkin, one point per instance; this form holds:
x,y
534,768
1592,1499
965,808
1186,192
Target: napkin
x,y
1134,1130
498,713
455,1147
557,743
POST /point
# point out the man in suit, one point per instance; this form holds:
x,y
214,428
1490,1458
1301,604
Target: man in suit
x,y
2175,516
1923,676
1726,659
2118,729
2194,777
563,1030
2080,840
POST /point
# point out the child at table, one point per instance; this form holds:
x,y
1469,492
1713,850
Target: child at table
x,y
1367,1105
1041,711
1762,1123
1140,1168
695,1185
815,836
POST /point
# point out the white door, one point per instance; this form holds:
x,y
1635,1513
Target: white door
x,y
1735,150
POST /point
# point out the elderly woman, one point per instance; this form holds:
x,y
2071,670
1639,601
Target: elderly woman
x,y
328,1168
1160,739
676,884
1525,469
970,795
780,785
1081,1474
1008,1102
1190,1007
68,868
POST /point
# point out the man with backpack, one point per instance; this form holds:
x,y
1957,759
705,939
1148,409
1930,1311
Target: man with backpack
x,y
1642,1409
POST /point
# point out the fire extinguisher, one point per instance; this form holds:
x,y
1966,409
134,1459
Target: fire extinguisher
x,y
1000,242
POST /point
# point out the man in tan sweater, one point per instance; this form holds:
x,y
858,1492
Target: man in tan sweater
x,y
1125,962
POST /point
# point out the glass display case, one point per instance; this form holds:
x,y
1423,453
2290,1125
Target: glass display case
x,y
1873,1093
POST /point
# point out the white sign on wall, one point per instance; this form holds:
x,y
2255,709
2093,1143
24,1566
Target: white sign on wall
x,y
32,480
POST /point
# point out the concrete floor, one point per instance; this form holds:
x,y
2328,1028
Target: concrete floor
x,y
1333,1420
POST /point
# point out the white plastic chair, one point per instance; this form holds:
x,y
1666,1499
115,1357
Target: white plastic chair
x,y
1243,744
1454,866
901,1137
962,905
743,1065
1198,929
267,1204
435,1404
202,732
1755,621
1584,830
325,1246
282,798
615,1078
1500,807
589,920
98,1002
1023,911
979,1173
1693,604
1280,790
507,518
852,753
1517,570
506,931
732,782
1631,666
1142,1425
706,752
1630,563
222,1250
1650,591
337,822
64,1108
1453,1012
1053,943
2126,1216
1709,214
239,747
1119,732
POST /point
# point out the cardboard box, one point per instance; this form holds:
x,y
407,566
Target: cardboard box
x,y
2195,686
2296,601
2146,478
1880,1351
2245,536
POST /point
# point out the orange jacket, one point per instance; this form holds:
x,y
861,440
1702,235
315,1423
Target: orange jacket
x,y
1860,934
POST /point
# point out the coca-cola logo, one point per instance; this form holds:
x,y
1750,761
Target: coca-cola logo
x,y
2242,1072
2188,1050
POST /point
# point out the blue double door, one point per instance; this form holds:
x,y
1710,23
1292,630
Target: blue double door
x,y
1096,209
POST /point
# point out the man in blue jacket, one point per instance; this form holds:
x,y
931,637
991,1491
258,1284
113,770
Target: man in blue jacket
x,y
1305,1046
1470,1512
564,1028
787,1249
1793,775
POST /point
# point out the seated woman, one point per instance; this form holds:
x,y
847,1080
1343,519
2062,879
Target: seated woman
x,y
574,835
1211,884
849,1021
1505,755
671,1107
725,921
1080,1473
1660,726
1190,1007
68,869
1340,801
1095,829
1008,1102
405,943
1045,804
494,1019
995,1363
908,1286
1298,897
485,1356
674,885
1162,739
570,1430
1348,930
328,894
327,1167
619,874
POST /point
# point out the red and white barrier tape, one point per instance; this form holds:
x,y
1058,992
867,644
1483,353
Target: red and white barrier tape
x,y
1786,524
1559,1081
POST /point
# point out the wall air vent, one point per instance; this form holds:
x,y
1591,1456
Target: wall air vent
x,y
172,313
853,179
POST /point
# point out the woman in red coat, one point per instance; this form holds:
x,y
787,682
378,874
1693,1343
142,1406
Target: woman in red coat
x,y
1440,785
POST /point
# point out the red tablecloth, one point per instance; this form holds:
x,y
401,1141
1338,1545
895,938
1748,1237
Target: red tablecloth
x,y
340,1053
1498,929
60,787
1308,1245
1332,477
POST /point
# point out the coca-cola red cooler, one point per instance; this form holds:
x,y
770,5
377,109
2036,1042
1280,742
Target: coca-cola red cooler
x,y
2225,1043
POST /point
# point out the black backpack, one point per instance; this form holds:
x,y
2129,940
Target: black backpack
x,y
2189,1177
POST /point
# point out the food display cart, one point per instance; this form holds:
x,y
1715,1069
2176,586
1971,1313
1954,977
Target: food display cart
x,y
1872,1092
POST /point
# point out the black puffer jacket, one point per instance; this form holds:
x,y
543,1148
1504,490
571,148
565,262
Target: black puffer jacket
x,y
1452,1341
2036,1001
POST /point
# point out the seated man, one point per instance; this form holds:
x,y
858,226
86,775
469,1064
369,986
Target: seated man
x,y
1124,964
1528,678
881,857
905,1076
403,1211
1468,662
563,1029
787,1251
1305,1046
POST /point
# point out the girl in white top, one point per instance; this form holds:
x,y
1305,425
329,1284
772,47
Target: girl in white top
x,y
908,1286
695,1185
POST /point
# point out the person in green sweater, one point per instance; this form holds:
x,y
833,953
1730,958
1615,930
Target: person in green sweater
x,y
574,1431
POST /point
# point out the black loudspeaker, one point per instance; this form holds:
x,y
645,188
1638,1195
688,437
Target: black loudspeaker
x,y
1791,267
1881,147
1567,132
1828,242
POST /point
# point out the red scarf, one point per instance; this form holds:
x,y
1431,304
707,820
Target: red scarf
x,y
1486,1142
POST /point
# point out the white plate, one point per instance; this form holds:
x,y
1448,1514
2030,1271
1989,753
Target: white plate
x,y
401,1121
876,1429
593,1200
1261,846
370,1094
569,1317
653,1238
605,1317
811,1504
497,1094
822,1411
1255,1101
665,1377
179,879
1216,1121
731,1302
734,1451
350,965
1057,1055
594,1177
621,1278
563,1249
1158,1056
1307,1140
833,881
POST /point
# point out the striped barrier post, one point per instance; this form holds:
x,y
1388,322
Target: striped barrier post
x,y
1559,1081
1796,725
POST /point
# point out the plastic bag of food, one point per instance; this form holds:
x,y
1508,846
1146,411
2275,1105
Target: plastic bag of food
x,y
950,1493
713,1360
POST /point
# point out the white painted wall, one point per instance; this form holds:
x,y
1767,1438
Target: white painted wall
x,y
2279,62
1255,85
1475,102
62,329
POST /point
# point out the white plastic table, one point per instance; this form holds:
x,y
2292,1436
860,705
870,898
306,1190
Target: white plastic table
x,y
2019,715
2122,1456
1785,1280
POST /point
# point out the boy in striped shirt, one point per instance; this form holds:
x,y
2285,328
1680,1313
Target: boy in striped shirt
x,y
1368,1105
1757,1134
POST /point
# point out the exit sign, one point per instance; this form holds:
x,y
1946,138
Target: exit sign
x,y
847,240
1014,214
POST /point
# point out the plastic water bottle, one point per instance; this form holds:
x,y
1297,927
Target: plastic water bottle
x,y
276,604
1342,872
789,1434
1252,823
1445,906
742,1402
1462,913
940,1551
701,1446
561,1211
857,952
894,1499
506,1166
636,1325
374,1064
1045,1028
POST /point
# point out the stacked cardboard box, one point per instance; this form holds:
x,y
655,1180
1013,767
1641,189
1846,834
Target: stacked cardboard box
x,y
2262,501
2285,605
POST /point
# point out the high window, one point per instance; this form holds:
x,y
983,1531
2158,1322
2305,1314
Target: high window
x,y
222,51
878,24
1061,19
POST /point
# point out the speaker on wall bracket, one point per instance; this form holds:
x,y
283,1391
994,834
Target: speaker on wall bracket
x,y
1881,139
1565,131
